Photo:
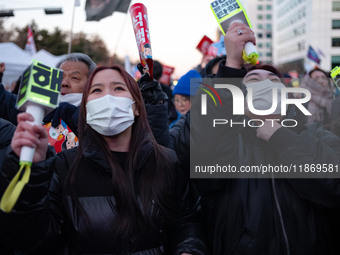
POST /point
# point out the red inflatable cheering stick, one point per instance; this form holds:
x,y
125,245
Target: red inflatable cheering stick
x,y
139,17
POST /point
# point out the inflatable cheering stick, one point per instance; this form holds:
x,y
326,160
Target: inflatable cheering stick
x,y
139,17
335,74
229,11
38,95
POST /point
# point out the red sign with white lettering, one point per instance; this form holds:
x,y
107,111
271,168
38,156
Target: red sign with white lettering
x,y
204,44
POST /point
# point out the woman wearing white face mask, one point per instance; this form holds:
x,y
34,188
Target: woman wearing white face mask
x,y
118,192
256,213
320,104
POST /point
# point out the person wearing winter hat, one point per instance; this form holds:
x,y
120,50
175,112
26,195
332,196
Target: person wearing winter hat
x,y
184,93
212,66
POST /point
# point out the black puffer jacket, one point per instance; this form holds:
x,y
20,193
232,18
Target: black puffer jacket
x,y
6,133
262,216
39,220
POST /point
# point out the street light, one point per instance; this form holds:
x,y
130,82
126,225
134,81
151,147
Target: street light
x,y
9,13
53,11
6,13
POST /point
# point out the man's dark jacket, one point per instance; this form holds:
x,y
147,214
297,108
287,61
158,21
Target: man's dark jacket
x,y
7,105
6,133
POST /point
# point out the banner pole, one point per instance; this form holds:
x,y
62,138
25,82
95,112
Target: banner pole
x,y
70,42
120,35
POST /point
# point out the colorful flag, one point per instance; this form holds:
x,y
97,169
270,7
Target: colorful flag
x,y
30,45
99,9
313,56
321,53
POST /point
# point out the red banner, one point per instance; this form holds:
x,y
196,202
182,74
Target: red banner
x,y
139,17
167,71
204,44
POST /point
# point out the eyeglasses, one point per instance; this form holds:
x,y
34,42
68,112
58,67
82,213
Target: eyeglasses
x,y
180,101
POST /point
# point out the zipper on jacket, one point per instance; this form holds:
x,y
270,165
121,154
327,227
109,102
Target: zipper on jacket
x,y
280,214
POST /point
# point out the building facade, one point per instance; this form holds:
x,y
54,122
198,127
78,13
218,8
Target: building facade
x,y
299,24
260,13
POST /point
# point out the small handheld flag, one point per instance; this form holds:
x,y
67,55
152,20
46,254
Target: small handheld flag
x,y
312,55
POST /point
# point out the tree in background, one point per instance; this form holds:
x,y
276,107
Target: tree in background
x,y
93,46
56,42
5,35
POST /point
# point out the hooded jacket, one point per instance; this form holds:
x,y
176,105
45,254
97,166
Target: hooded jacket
x,y
256,215
44,220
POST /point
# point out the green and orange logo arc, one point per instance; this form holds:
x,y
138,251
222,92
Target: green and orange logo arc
x,y
209,93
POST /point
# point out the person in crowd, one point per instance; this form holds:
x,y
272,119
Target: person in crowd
x,y
6,133
212,66
157,74
259,215
201,68
335,110
118,192
318,84
2,70
77,68
15,86
184,93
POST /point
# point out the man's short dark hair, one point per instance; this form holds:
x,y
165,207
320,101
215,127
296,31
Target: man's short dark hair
x,y
79,57
147,45
157,70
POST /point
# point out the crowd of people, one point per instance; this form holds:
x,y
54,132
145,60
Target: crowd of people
x,y
125,187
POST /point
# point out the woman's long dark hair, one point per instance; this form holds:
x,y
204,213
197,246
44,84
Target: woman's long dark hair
x,y
156,181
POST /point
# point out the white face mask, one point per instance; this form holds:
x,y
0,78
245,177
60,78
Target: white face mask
x,y
262,95
72,98
110,115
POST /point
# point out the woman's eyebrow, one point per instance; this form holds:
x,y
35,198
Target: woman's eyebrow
x,y
97,84
118,83
251,74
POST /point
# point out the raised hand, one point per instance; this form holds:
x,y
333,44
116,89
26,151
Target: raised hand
x,y
32,136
